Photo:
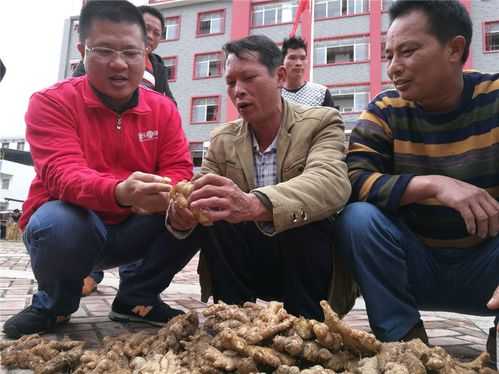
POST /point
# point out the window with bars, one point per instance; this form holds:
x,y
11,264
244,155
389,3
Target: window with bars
x,y
341,51
350,99
171,68
205,109
211,23
208,65
20,146
273,13
172,28
339,8
491,36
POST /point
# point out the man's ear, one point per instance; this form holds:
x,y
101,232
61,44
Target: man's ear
x,y
456,48
281,75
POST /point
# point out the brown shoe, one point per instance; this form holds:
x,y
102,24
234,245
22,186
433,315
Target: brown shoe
x,y
89,286
417,332
492,347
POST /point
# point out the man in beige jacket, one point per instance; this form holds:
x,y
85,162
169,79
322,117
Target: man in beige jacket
x,y
271,182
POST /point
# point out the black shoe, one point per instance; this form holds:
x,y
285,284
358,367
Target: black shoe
x,y
30,321
416,332
492,347
156,315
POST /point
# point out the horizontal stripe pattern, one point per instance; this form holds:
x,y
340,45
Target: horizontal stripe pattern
x,y
395,139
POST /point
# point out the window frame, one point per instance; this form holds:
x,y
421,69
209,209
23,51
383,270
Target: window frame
x,y
352,85
220,67
367,12
348,39
485,34
266,3
191,112
163,36
163,58
198,22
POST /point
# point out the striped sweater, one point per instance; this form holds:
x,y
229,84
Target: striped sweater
x,y
395,140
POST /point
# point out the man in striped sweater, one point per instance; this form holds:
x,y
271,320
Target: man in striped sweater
x,y
424,166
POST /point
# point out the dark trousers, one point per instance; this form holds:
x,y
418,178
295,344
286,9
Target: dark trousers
x,y
398,275
66,243
294,266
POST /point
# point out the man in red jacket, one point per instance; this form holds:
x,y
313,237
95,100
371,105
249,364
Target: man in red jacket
x,y
102,147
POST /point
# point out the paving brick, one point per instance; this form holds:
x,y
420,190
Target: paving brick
x,y
460,336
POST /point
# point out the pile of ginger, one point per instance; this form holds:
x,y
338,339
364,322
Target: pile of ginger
x,y
253,338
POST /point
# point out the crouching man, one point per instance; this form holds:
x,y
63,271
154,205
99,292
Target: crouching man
x,y
101,147
271,182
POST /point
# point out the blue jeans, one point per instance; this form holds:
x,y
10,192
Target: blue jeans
x,y
398,275
67,242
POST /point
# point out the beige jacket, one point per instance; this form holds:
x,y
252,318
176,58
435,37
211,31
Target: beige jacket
x,y
312,183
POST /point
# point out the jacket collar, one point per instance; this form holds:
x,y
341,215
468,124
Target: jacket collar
x,y
244,145
92,99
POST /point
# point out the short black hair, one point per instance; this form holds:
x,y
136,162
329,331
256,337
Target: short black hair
x,y
293,43
269,53
447,19
117,11
153,12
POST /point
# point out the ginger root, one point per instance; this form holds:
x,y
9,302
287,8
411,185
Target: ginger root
x,y
180,195
254,338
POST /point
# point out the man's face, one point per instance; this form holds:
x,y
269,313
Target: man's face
x,y
295,63
115,76
153,29
253,90
418,64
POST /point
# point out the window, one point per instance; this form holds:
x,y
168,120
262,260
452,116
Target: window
x,y
5,145
205,109
211,23
350,99
208,65
273,13
5,182
20,146
76,26
491,36
171,68
172,28
338,8
341,51
386,4
196,149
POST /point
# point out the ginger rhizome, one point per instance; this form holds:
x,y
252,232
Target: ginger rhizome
x,y
254,338
180,195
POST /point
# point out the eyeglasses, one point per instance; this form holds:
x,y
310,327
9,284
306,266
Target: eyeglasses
x,y
104,54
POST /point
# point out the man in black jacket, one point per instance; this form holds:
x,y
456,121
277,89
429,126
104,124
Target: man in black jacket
x,y
155,76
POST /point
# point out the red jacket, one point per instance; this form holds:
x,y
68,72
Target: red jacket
x,y
81,149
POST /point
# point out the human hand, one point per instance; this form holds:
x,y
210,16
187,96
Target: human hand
x,y
493,303
144,193
479,210
221,199
181,218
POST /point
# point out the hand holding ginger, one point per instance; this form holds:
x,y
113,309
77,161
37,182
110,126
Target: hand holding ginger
x,y
144,193
184,217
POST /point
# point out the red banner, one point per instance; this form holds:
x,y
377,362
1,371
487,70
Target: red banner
x,y
302,6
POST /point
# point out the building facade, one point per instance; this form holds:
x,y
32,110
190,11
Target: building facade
x,y
15,177
346,53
